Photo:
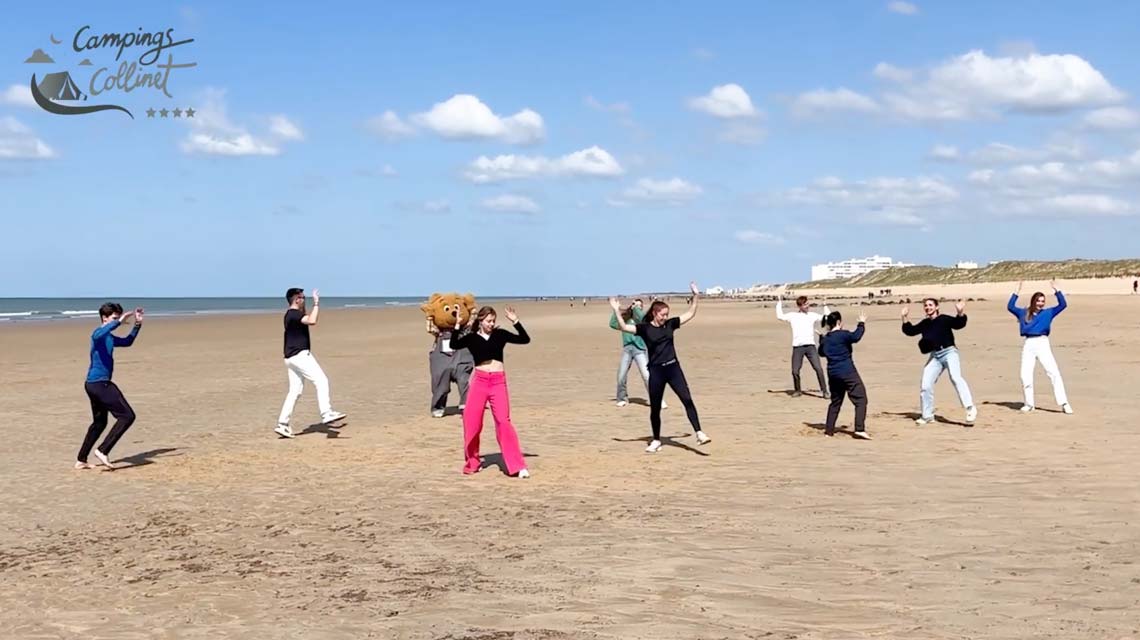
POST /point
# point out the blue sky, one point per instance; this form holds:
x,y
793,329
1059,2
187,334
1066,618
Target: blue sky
x,y
569,148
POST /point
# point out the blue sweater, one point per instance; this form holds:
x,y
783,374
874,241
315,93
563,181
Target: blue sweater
x,y
1040,324
836,346
103,344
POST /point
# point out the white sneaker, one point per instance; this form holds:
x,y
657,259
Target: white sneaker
x,y
971,414
921,421
438,413
702,438
664,405
1067,409
332,416
524,474
621,403
284,431
1026,408
862,435
653,447
462,407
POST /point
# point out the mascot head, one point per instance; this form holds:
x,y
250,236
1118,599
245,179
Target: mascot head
x,y
443,308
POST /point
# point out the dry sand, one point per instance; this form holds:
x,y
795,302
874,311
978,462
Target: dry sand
x,y
1025,526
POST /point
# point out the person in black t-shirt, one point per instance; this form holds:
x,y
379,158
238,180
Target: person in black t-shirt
x,y
664,369
300,363
937,340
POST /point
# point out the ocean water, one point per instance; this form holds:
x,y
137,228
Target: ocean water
x,y
60,309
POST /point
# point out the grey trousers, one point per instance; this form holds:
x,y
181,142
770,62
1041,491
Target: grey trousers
x,y
812,354
447,368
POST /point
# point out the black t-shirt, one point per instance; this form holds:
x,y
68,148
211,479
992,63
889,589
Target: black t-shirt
x,y
489,348
659,341
296,333
937,333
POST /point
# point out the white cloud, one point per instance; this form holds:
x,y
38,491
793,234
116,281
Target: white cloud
x,y
822,102
751,236
427,206
284,128
904,8
388,171
465,117
742,133
890,72
617,107
701,53
886,200
944,153
998,153
18,142
1112,119
725,101
213,133
673,191
19,95
591,162
511,203
390,126
1043,178
1068,205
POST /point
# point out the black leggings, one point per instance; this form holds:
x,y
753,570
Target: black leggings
x,y
671,375
105,398
851,384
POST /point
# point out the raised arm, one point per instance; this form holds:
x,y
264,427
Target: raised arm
x,y
521,337
857,334
129,339
908,328
1061,303
311,317
780,315
691,312
102,331
616,322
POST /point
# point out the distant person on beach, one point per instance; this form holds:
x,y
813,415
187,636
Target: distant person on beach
x,y
842,377
664,367
489,385
633,351
1135,284
104,395
300,363
1035,321
803,341
937,331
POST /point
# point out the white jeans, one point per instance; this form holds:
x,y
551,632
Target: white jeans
x,y
301,367
1037,348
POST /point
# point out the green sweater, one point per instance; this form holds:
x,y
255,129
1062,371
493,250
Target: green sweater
x,y
629,338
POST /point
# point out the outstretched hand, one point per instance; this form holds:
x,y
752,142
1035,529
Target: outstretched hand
x,y
512,315
862,317
1053,283
316,297
694,289
1019,283
615,304
905,313
960,306
139,315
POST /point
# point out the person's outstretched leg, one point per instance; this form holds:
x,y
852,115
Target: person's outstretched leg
x,y
833,408
1049,363
473,420
680,386
858,394
657,384
813,359
622,395
505,433
1028,364
954,368
124,418
930,374
797,364
98,423
296,386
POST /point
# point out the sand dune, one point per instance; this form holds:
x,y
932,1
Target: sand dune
x,y
1024,526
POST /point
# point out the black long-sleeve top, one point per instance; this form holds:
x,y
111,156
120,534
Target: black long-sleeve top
x,y
937,333
491,347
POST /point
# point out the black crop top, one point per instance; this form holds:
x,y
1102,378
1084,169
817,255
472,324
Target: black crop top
x,y
489,348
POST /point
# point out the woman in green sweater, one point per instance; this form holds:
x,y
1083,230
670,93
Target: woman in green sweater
x,y
632,350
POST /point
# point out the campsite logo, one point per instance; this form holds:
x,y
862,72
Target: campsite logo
x,y
142,62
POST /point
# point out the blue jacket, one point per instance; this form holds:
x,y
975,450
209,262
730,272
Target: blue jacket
x,y
836,346
103,344
1040,324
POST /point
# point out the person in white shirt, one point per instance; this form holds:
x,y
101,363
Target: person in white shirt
x,y
803,324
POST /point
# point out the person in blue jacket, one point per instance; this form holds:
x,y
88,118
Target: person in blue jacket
x,y
104,395
1035,322
842,377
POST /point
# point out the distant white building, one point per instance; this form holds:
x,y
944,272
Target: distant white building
x,y
853,267
714,291
966,264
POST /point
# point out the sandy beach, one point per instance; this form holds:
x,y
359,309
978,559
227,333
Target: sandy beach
x,y
1024,526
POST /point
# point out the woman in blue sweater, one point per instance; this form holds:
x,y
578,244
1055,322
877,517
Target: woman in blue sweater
x,y
842,377
1035,322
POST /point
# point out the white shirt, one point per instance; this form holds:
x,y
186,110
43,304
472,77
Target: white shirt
x,y
803,324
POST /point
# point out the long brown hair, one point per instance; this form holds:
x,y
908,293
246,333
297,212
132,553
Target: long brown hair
x,y
1031,310
483,313
653,308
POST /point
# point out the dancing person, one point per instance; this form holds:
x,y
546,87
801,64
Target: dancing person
x,y
843,378
803,341
664,367
300,363
104,395
445,364
937,331
489,385
632,351
1035,322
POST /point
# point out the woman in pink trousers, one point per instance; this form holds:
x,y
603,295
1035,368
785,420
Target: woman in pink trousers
x,y
489,384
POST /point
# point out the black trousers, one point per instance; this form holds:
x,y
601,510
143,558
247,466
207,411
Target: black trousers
x,y
674,377
852,385
105,398
812,354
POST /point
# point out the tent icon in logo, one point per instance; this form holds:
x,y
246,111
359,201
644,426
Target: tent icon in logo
x,y
60,86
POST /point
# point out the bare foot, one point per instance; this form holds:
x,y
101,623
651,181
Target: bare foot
x,y
82,465
103,460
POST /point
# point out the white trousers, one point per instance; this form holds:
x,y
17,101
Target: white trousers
x,y
301,367
1037,348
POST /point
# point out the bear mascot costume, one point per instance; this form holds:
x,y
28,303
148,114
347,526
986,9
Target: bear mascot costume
x,y
447,366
